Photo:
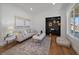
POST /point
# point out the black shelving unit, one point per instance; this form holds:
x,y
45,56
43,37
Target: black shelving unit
x,y
53,25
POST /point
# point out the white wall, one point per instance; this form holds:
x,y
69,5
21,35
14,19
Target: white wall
x,y
9,12
0,19
39,20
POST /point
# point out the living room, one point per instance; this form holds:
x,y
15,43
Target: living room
x,y
31,18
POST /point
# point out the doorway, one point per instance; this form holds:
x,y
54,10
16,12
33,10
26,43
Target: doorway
x,y
53,25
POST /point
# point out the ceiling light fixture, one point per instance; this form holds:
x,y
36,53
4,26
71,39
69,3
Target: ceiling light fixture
x,y
53,3
31,9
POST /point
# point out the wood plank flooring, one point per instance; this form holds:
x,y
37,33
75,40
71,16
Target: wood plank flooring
x,y
8,46
56,49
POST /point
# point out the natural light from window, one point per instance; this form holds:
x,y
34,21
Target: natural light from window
x,y
74,23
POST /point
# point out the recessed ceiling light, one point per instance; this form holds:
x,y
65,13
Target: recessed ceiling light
x,y
31,9
53,3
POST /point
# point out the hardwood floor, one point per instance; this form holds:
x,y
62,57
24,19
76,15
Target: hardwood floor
x,y
56,49
8,46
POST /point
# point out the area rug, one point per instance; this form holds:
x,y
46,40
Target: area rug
x,y
30,47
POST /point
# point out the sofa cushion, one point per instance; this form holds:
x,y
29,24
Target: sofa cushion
x,y
39,37
25,32
3,42
63,41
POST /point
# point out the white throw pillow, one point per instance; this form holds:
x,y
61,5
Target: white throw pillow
x,y
25,32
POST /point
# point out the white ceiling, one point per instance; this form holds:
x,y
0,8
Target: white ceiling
x,y
40,7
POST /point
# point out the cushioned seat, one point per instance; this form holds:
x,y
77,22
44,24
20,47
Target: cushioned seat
x,y
63,41
3,42
39,37
11,38
24,35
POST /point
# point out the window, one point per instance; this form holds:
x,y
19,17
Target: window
x,y
22,22
74,21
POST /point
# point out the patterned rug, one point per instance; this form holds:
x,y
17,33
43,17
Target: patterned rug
x,y
30,47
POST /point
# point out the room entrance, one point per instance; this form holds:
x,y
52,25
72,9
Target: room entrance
x,y
53,25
